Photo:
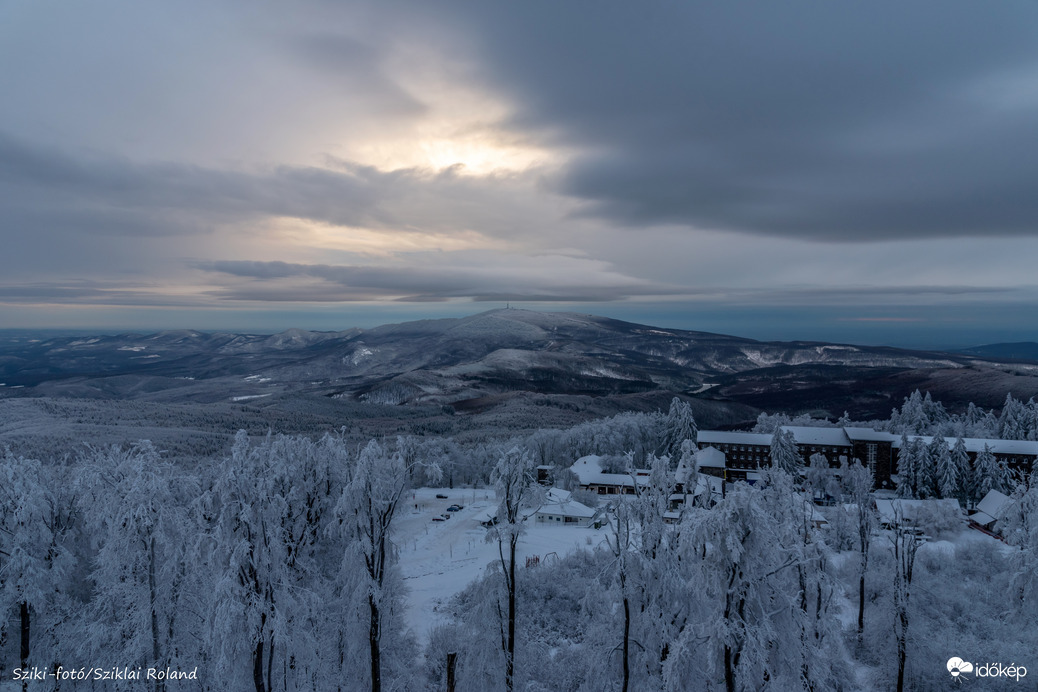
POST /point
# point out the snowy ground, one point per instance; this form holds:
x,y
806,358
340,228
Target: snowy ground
x,y
439,559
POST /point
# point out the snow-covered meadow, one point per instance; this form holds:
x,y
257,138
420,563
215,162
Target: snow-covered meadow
x,y
439,559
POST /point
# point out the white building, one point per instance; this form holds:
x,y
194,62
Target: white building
x,y
992,510
559,508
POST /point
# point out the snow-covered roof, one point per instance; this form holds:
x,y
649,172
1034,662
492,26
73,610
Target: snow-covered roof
x,y
909,510
802,434
818,436
589,472
870,435
733,438
710,457
844,437
976,445
707,485
567,508
994,506
557,495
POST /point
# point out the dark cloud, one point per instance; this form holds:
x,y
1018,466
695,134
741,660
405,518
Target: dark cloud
x,y
808,119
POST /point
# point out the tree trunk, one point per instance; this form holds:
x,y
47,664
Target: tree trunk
x,y
510,654
270,664
729,666
902,646
452,660
861,605
257,666
627,639
729,670
374,636
257,658
152,598
23,609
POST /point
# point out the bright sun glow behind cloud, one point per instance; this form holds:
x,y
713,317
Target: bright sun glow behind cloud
x,y
462,125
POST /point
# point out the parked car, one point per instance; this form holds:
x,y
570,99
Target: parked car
x,y
455,508
438,519
441,496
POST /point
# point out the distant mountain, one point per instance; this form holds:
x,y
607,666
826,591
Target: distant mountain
x,y
480,362
1022,350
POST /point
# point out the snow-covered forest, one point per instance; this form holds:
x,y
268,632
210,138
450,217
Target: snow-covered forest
x,y
280,565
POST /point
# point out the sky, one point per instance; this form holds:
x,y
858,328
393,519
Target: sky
x,y
859,172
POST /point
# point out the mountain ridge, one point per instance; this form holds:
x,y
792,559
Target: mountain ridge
x,y
451,361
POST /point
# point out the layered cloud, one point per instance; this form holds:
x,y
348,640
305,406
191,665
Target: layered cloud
x,y
726,155
826,121
476,276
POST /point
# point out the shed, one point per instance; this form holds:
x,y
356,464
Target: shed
x,y
992,510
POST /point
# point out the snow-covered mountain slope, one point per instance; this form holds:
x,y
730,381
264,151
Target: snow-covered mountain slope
x,y
451,361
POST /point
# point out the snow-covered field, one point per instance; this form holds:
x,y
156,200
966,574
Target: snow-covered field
x,y
439,559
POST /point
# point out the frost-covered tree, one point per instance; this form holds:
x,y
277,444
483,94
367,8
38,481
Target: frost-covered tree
x,y
679,427
906,470
760,581
365,511
1012,423
662,610
914,469
267,512
911,418
944,480
963,470
985,474
859,482
34,559
979,423
1020,528
622,544
905,544
688,473
769,424
1031,419
919,415
927,460
137,524
515,482
818,475
784,453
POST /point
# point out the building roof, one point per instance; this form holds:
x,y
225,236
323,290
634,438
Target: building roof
x,y
734,438
910,510
976,445
992,508
802,434
566,508
589,472
710,457
818,436
845,437
870,435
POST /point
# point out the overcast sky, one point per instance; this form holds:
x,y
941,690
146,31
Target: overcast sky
x,y
862,172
